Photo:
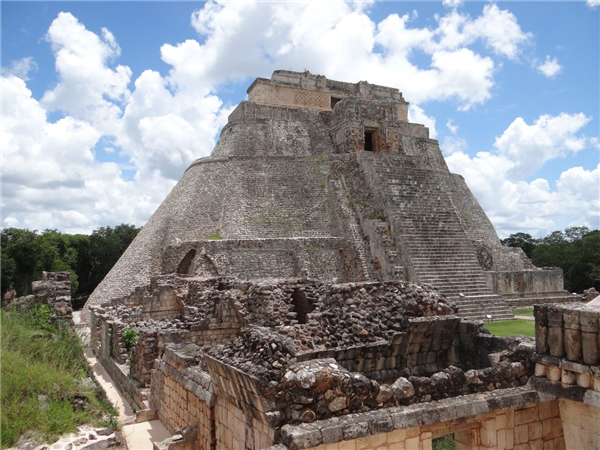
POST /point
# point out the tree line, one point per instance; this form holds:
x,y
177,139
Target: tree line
x,y
25,254
576,250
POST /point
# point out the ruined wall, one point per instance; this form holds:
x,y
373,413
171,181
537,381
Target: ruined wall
x,y
241,414
531,427
182,396
474,424
54,290
523,282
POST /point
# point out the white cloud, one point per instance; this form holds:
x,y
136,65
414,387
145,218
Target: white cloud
x,y
162,123
550,68
452,3
53,179
549,137
20,68
417,115
450,125
593,3
516,205
87,89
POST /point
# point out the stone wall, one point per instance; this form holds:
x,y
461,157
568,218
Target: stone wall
x,y
54,290
236,429
527,282
422,350
162,304
317,257
182,396
477,423
580,423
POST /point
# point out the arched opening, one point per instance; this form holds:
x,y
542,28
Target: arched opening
x,y
301,305
186,262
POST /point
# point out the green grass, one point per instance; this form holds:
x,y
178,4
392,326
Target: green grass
x,y
523,312
42,369
512,327
444,443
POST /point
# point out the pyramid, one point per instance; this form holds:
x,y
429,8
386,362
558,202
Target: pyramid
x,y
327,180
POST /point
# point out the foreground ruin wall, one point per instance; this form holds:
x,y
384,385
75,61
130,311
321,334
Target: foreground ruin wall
x,y
54,290
228,364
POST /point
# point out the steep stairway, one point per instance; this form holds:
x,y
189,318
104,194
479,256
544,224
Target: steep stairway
x,y
435,245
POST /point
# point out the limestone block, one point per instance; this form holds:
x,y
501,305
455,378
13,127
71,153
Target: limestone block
x,y
584,380
554,373
568,377
521,434
541,370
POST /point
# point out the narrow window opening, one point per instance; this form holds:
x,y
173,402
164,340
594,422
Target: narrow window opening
x,y
186,262
334,101
368,141
301,305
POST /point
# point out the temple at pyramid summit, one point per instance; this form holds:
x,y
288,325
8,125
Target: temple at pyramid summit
x,y
321,281
321,179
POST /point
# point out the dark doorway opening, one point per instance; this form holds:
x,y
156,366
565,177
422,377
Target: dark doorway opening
x,y
334,101
301,305
368,141
186,262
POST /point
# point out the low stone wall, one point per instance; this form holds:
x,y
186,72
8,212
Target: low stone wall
x,y
423,349
54,290
523,282
162,304
237,429
182,396
509,419
101,344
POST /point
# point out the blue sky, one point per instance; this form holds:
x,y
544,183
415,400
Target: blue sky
x,y
104,104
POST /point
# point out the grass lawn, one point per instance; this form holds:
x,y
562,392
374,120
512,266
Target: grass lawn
x,y
512,327
523,312
44,392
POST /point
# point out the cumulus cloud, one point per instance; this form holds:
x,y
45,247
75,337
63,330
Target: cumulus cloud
x,y
452,3
51,176
550,68
246,37
161,123
21,68
593,3
549,137
497,178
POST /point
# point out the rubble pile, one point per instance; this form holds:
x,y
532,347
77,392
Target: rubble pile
x,y
258,351
354,314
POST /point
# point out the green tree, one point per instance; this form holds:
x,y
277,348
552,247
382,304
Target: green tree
x,y
106,247
20,250
576,251
522,240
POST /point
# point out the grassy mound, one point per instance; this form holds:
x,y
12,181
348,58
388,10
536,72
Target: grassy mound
x,y
44,388
512,327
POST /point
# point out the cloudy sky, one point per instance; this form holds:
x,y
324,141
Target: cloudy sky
x,y
104,105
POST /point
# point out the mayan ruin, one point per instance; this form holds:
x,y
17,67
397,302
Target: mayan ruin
x,y
321,281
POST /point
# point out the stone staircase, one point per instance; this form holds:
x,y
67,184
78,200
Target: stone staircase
x,y
436,247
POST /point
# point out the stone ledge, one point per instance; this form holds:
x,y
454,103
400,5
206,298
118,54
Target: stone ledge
x,y
353,426
570,392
